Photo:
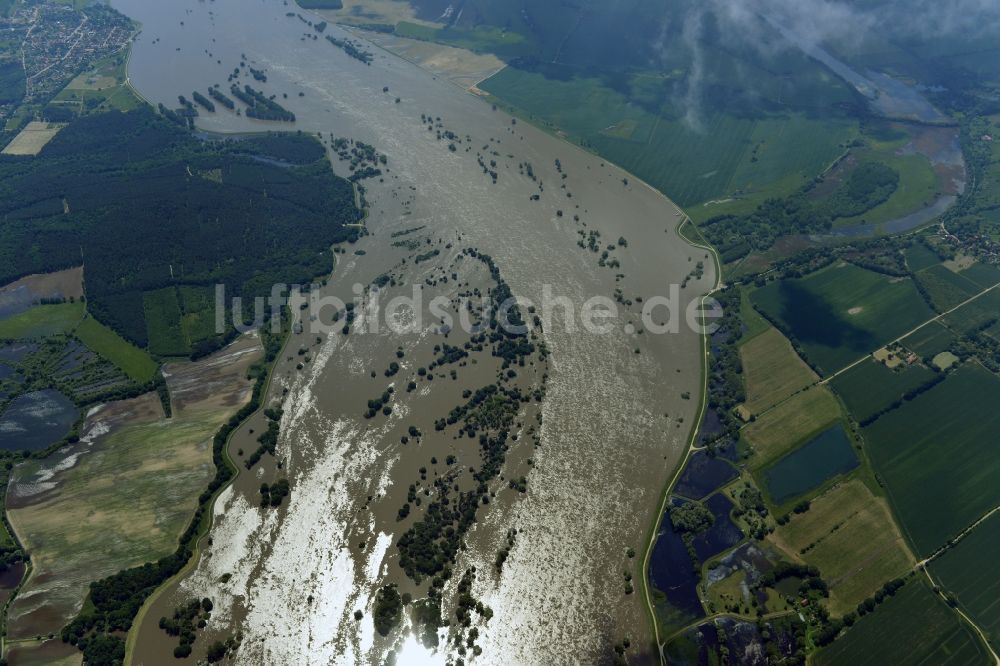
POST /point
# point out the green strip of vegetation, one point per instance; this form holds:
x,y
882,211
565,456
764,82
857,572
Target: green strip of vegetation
x,y
134,362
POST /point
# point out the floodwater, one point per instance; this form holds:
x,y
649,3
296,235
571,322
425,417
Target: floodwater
x,y
36,420
671,571
702,475
610,431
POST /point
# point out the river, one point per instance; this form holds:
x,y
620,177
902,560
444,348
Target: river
x,y
615,418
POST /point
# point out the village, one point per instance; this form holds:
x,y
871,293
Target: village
x,y
56,43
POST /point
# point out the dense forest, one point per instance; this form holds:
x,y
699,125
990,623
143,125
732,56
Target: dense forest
x,y
11,81
144,205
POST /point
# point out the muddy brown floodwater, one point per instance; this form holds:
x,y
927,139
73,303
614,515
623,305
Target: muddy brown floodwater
x,y
595,452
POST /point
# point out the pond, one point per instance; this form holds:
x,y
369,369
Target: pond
x,y
703,474
36,420
809,466
16,351
671,570
723,534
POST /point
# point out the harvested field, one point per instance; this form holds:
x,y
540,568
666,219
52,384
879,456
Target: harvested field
x,y
32,138
772,370
777,431
849,534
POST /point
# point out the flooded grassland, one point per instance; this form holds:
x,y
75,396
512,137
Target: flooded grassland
x,y
603,426
121,495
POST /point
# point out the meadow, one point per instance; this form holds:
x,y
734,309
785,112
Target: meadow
x,y
772,371
42,320
870,387
841,313
912,627
133,361
198,304
479,39
968,570
918,187
849,534
938,458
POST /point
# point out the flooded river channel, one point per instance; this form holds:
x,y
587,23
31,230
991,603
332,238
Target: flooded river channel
x,y
588,455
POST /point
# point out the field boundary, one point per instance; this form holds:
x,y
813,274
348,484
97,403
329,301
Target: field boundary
x,y
937,590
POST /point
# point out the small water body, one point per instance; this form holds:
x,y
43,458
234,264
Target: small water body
x,y
15,301
723,534
36,420
671,570
822,458
17,351
703,474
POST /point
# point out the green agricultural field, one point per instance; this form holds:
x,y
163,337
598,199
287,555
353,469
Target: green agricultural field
x,y
849,534
919,257
938,457
692,164
912,627
946,288
779,430
163,323
150,473
976,313
930,340
983,275
134,362
969,571
98,89
840,313
870,387
42,320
